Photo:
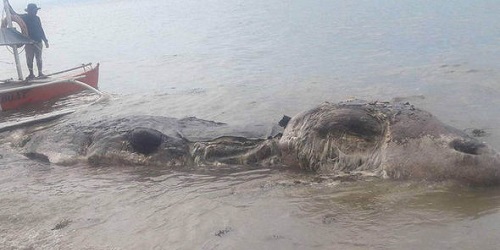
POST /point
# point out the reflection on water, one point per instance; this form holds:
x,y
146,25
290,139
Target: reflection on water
x,y
73,102
129,208
250,62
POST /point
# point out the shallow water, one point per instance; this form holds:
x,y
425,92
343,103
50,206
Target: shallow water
x,y
250,62
125,208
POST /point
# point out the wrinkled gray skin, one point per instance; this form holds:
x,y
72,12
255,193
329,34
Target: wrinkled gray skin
x,y
149,141
381,139
390,140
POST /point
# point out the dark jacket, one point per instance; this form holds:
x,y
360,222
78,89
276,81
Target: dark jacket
x,y
35,29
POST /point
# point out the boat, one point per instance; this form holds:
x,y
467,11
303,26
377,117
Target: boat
x,y
16,94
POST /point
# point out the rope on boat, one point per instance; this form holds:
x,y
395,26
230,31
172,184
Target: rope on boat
x,y
24,29
22,25
12,51
101,94
75,81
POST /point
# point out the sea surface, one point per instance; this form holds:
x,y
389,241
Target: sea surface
x,y
251,62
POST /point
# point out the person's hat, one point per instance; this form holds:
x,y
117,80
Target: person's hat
x,y
31,7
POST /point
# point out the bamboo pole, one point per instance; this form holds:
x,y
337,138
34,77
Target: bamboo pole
x,y
6,7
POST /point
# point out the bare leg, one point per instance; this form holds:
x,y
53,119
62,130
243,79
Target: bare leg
x,y
30,54
38,57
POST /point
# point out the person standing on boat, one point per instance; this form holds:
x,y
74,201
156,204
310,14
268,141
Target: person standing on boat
x,y
36,33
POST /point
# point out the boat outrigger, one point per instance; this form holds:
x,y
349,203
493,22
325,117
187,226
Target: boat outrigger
x,y
14,94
